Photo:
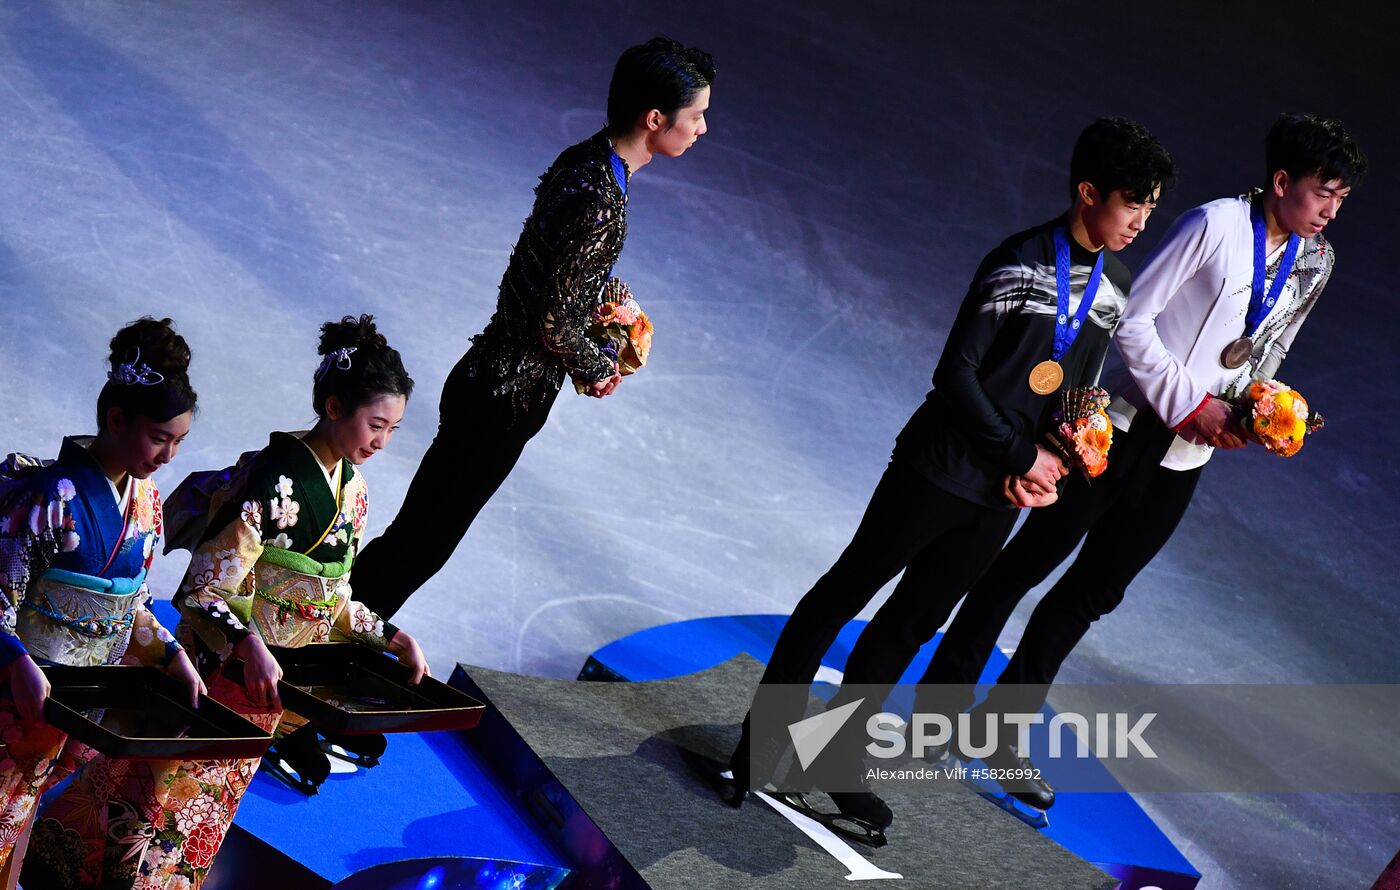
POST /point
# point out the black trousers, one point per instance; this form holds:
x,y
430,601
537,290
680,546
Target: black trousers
x,y
480,437
911,523
1128,514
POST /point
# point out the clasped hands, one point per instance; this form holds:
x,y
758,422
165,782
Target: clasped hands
x,y
1216,425
1036,487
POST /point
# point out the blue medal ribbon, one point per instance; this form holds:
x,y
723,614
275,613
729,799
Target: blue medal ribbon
x,y
1260,303
1066,329
619,173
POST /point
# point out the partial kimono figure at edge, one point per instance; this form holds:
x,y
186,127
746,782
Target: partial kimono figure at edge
x,y
77,537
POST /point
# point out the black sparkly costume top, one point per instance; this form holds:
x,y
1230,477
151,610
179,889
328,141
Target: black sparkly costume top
x,y
557,271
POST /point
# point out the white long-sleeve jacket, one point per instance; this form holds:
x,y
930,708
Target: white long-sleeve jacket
x,y
1189,301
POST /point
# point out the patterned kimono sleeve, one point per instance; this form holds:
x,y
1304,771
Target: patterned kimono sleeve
x,y
150,642
216,597
581,227
31,527
358,622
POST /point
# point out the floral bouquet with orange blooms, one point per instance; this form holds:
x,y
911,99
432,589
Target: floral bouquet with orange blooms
x,y
1278,417
621,329
1083,432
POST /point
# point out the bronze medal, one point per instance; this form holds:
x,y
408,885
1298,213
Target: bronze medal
x,y
1046,377
1237,353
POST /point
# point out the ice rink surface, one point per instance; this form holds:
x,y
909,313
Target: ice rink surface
x,y
255,168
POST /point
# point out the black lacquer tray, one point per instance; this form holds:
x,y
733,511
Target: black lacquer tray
x,y
349,688
143,713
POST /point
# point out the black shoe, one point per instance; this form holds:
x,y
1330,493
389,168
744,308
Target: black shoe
x,y
863,805
735,782
714,774
1030,790
847,823
361,750
298,760
731,790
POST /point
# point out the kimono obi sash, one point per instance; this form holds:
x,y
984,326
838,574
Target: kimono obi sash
x,y
81,620
297,599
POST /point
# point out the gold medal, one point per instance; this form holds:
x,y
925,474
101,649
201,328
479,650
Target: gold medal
x,y
1046,377
1237,353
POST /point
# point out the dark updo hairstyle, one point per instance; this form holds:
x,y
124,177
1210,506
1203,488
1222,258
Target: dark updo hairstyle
x,y
358,366
148,374
661,74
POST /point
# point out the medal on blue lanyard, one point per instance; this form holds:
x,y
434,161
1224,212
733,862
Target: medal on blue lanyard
x,y
1047,376
1260,302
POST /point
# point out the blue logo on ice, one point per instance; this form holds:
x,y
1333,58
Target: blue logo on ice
x,y
812,735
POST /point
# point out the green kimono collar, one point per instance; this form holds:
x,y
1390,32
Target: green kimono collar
x,y
319,505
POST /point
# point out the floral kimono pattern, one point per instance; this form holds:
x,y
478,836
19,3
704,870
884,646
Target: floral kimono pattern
x,y
277,560
72,591
274,561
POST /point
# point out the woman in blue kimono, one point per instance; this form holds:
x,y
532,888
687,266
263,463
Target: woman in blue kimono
x,y
77,536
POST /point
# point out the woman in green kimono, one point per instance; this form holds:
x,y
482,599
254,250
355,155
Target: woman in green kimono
x,y
77,538
273,569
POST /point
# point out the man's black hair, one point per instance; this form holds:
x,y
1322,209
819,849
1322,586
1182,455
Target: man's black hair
x,y
661,74
1114,153
1304,145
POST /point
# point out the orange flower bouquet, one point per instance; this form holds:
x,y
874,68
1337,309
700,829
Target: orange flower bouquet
x,y
1083,432
1278,417
621,329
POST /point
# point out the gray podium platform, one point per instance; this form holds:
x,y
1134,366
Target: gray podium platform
x,y
626,754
